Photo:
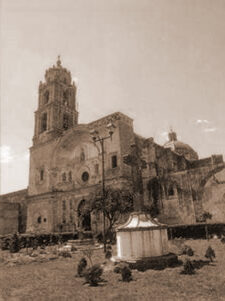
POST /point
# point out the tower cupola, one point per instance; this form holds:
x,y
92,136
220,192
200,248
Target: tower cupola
x,y
56,111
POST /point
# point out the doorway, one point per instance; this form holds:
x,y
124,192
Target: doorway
x,y
84,216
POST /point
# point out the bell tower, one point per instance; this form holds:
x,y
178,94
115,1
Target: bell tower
x,y
56,111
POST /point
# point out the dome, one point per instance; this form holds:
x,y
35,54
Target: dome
x,y
180,148
58,73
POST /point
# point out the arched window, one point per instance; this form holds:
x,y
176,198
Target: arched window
x,y
42,174
82,155
171,191
44,122
70,176
114,161
64,177
65,97
46,96
63,212
65,121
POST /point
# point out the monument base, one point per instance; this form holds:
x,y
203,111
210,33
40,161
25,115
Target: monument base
x,y
146,263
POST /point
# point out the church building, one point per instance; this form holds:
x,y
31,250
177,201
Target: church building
x,y
66,168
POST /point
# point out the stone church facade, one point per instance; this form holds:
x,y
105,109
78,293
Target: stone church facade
x,y
66,167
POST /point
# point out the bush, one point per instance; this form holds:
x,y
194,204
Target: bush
x,y
93,275
81,267
210,253
99,237
119,267
65,254
5,244
126,274
108,254
14,244
188,268
187,251
223,240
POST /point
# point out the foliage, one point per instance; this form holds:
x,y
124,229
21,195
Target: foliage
x,y
204,217
123,269
119,267
187,251
93,275
188,268
114,204
210,253
65,254
89,253
14,244
223,240
152,209
108,253
126,273
81,267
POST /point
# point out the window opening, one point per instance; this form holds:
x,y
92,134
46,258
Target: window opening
x,y
171,191
85,176
114,161
70,176
42,174
44,122
64,177
64,212
65,121
46,97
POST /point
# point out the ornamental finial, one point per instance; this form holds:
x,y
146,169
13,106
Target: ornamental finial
x,y
58,61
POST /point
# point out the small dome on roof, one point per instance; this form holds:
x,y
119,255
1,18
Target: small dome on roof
x,y
180,147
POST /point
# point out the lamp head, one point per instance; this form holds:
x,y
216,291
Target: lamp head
x,y
94,134
111,127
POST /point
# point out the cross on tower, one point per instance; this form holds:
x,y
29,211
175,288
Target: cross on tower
x,y
137,164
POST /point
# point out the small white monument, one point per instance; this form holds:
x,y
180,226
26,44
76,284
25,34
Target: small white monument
x,y
140,237
142,240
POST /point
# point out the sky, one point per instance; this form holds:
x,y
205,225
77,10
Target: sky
x,y
161,62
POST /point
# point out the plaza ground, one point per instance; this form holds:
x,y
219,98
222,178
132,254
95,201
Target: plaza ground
x,y
55,280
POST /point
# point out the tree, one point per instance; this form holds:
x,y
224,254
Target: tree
x,y
210,253
115,203
204,217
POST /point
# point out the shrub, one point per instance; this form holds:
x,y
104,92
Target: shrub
x,y
99,237
93,275
65,254
187,251
88,253
5,245
126,274
14,244
188,268
210,253
81,267
223,240
119,267
108,254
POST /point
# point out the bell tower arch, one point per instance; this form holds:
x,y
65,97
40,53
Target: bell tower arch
x,y
56,110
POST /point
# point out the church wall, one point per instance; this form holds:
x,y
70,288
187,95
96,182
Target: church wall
x,y
126,135
40,215
213,199
9,218
14,216
40,158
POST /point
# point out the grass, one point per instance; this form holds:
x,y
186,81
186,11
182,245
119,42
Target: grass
x,y
55,280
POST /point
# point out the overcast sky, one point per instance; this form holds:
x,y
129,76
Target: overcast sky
x,y
161,62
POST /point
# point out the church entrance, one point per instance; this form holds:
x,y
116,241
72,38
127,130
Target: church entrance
x,y
84,216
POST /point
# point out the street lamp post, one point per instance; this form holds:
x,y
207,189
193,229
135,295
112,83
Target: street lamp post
x,y
97,138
